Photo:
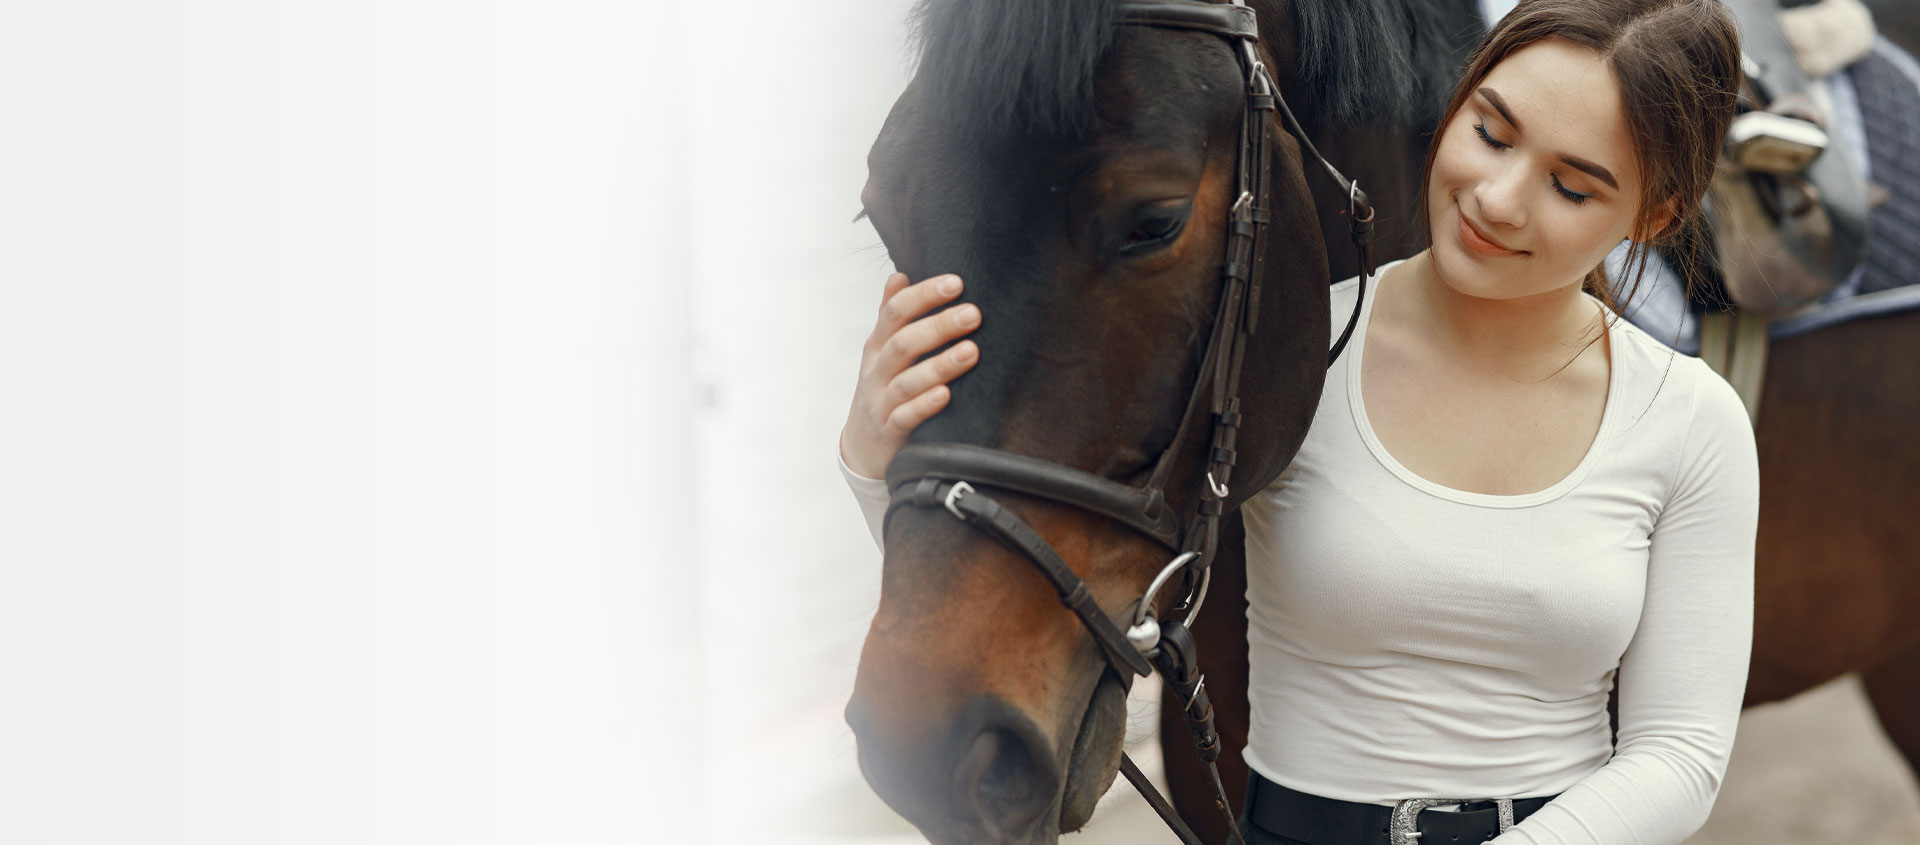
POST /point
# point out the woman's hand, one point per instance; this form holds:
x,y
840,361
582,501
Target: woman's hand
x,y
894,394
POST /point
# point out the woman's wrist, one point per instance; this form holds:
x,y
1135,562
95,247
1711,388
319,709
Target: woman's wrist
x,y
848,468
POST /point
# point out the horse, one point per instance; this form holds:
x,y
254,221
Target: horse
x,y
1837,567
1083,176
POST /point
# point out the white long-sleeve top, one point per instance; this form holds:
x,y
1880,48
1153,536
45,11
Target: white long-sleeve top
x,y
1410,640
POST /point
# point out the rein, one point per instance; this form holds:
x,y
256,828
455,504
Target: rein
x,y
945,475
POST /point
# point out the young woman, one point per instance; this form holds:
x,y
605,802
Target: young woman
x,y
1510,499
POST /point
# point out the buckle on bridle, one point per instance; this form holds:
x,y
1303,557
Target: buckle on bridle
x,y
1219,490
954,495
1242,210
1405,830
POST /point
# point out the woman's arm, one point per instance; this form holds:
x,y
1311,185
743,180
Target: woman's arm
x,y
897,390
1684,675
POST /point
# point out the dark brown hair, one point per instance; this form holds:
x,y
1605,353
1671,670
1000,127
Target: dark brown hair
x,y
1677,63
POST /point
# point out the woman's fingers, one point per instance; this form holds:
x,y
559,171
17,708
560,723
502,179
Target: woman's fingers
x,y
910,414
897,391
907,303
937,370
896,282
925,335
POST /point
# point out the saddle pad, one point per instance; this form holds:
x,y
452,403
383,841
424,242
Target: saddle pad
x,y
1876,105
1888,82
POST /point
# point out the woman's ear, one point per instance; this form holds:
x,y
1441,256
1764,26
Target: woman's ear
x,y
1659,221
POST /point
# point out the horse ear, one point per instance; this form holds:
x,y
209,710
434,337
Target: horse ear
x,y
1659,222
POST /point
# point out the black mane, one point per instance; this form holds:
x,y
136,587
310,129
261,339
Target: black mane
x,y
1005,66
1389,62
1026,66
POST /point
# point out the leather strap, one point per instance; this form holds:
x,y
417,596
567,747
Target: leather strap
x,y
1734,344
1157,801
986,514
1145,510
1223,19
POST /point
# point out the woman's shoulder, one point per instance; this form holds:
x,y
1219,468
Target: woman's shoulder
x,y
1690,418
1645,356
1680,390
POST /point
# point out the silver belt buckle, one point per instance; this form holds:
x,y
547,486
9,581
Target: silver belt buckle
x,y
1403,829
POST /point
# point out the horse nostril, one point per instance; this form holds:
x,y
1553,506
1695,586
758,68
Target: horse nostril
x,y
999,774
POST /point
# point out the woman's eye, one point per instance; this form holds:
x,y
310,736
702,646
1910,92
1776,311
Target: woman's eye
x,y
1575,196
1481,128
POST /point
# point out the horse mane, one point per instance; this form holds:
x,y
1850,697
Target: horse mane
x,y
1001,67
1390,62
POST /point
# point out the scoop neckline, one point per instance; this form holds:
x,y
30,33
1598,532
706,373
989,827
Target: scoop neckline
x,y
1358,347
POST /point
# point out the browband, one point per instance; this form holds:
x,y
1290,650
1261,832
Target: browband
x,y
1230,21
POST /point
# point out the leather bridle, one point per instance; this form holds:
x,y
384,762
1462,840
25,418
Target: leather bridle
x,y
950,475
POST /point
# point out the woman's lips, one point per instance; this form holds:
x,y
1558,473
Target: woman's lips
x,y
1477,242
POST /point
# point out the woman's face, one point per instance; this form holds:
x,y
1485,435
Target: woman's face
x,y
1534,181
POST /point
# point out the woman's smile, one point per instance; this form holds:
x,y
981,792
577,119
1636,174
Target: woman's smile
x,y
1475,241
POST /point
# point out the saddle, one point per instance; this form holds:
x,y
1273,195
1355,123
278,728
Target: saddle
x,y
1787,211
1878,114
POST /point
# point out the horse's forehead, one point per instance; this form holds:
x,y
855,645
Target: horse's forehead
x,y
1158,80
923,148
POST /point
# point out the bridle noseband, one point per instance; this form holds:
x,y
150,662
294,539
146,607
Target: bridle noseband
x,y
948,475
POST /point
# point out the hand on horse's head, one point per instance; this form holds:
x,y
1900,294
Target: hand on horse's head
x,y
897,391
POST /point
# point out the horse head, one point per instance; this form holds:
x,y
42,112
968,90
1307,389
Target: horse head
x,y
1078,173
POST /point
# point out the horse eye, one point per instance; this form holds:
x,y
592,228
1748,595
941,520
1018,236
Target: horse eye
x,y
1154,228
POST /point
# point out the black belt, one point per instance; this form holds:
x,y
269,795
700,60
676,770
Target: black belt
x,y
1327,821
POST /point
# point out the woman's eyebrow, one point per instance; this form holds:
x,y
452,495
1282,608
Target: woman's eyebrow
x,y
1585,166
1499,105
1594,170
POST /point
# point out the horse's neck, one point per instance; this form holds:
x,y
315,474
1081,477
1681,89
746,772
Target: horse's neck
x,y
1384,148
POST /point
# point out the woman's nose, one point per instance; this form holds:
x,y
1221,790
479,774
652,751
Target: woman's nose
x,y
1501,196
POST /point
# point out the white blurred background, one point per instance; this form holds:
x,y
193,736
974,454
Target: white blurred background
x,y
349,424
419,425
